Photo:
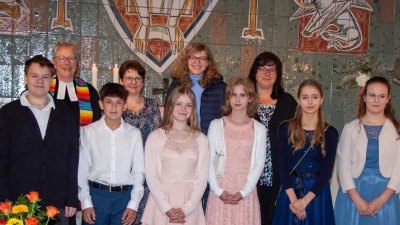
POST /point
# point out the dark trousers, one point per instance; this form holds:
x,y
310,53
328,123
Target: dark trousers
x,y
109,206
267,196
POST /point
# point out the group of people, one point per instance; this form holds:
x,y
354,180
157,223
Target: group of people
x,y
245,152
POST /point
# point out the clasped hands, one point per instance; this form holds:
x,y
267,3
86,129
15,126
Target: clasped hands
x,y
298,207
369,208
176,215
232,199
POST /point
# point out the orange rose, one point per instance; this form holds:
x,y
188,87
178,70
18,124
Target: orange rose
x,y
33,196
5,207
31,221
52,211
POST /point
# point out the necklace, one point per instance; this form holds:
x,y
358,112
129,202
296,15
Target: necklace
x,y
132,105
378,123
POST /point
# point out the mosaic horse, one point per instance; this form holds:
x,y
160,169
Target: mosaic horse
x,y
326,13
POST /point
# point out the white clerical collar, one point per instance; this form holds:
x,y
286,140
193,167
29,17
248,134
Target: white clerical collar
x,y
70,86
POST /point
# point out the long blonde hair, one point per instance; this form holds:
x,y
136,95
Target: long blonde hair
x,y
180,69
168,120
296,132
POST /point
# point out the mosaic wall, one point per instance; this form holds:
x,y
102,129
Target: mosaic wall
x,y
111,31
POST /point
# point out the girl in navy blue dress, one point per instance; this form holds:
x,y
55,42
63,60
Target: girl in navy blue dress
x,y
307,149
369,162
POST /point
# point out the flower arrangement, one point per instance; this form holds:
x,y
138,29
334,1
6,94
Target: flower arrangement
x,y
359,71
363,67
26,211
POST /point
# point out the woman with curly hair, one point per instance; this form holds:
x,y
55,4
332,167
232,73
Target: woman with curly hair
x,y
196,68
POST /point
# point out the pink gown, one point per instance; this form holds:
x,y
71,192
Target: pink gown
x,y
179,160
239,143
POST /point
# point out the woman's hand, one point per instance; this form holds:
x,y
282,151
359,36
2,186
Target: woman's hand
x,y
362,207
235,198
225,197
297,206
376,204
301,215
176,215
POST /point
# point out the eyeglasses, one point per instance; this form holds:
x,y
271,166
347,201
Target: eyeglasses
x,y
202,59
372,97
264,70
62,59
138,80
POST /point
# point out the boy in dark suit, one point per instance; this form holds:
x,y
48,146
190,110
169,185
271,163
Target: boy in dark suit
x,y
39,144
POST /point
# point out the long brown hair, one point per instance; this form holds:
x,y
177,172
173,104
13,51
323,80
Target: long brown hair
x,y
180,69
250,91
296,132
388,111
168,120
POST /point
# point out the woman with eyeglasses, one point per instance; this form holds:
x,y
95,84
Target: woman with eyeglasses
x,y
142,112
195,68
368,162
275,107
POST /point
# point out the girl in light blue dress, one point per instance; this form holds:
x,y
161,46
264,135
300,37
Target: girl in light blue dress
x,y
369,162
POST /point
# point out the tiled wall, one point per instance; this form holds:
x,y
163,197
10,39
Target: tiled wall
x,y
94,31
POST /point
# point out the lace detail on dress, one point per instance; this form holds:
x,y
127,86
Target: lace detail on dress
x,y
179,160
239,144
373,131
265,113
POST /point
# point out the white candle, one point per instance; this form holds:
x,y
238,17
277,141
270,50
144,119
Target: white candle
x,y
94,75
116,74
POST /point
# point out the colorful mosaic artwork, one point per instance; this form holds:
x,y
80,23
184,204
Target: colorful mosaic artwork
x,y
14,16
158,30
333,26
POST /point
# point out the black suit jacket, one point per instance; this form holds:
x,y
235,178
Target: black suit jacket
x,y
28,163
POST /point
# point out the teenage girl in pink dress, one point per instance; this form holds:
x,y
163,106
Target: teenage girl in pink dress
x,y
237,144
177,160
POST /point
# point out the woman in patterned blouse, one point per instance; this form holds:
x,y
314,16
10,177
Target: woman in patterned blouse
x,y
142,112
275,107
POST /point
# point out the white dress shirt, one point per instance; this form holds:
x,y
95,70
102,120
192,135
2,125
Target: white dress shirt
x,y
41,115
70,86
111,157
